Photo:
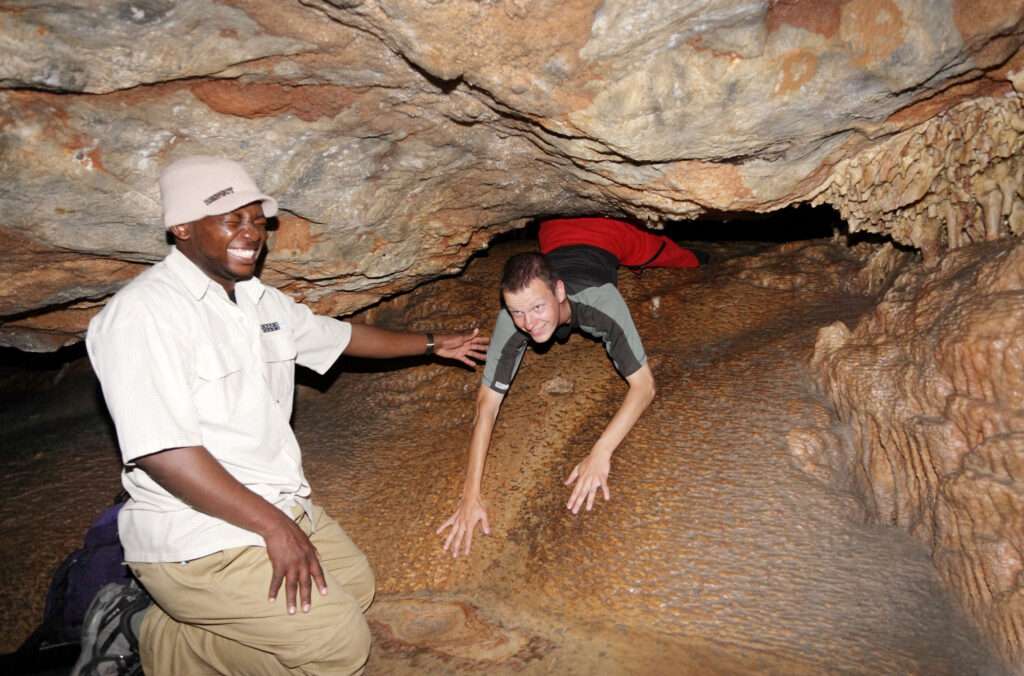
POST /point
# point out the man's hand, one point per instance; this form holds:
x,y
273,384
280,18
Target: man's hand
x,y
463,346
592,473
198,479
295,563
463,523
589,475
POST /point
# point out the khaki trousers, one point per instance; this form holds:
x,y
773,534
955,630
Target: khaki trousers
x,y
212,616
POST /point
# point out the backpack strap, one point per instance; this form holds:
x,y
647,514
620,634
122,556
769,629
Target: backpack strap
x,y
652,258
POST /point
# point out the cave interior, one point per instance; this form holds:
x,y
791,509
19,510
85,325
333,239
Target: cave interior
x,y
829,478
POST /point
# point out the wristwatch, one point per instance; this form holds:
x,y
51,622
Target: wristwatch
x,y
430,344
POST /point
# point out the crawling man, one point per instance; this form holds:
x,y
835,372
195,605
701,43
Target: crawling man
x,y
570,285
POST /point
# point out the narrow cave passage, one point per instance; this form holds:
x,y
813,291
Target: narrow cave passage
x,y
732,543
728,546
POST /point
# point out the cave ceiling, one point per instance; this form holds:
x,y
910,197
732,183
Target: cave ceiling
x,y
400,136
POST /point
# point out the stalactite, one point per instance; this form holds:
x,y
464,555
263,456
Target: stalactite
x,y
955,179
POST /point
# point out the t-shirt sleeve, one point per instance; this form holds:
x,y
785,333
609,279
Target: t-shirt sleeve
x,y
146,378
504,354
606,315
319,340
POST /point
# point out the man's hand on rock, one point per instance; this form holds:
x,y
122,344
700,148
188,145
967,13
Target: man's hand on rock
x,y
589,476
462,523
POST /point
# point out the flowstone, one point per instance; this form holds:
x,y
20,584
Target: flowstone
x,y
930,386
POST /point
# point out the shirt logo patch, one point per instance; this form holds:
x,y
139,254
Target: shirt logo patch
x,y
270,327
218,195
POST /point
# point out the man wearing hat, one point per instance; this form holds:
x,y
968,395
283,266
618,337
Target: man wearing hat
x,y
197,362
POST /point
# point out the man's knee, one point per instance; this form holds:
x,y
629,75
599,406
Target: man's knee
x,y
343,649
363,586
357,638
355,577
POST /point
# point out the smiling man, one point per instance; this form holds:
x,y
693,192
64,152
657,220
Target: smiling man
x,y
197,362
571,285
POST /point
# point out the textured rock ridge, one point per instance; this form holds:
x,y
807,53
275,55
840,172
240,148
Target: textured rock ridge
x,y
931,385
402,135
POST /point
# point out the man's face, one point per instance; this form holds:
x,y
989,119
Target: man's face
x,y
227,246
535,309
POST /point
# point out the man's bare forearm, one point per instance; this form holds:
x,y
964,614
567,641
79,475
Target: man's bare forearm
x,y
373,341
378,343
196,478
590,476
638,398
471,511
487,407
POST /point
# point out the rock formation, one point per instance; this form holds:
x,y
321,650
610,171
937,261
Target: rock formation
x,y
951,181
401,135
932,386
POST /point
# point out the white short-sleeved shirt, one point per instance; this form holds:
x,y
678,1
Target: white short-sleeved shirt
x,y
182,365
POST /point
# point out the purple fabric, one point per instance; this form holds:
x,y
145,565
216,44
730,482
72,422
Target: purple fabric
x,y
81,575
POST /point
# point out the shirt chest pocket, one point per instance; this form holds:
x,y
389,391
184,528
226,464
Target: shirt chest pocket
x,y
219,385
279,353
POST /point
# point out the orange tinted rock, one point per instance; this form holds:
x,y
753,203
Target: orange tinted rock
x,y
977,19
873,28
308,103
818,16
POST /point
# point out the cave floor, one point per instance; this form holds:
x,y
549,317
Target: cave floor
x,y
722,551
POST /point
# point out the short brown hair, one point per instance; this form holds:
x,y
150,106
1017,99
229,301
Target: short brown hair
x,y
523,268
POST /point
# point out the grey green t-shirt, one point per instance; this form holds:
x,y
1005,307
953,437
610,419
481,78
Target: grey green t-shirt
x,y
590,275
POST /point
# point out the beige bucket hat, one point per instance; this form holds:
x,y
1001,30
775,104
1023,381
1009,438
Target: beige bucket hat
x,y
198,186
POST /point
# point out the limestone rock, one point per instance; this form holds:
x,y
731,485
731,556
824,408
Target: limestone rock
x,y
931,385
558,385
98,47
953,180
400,136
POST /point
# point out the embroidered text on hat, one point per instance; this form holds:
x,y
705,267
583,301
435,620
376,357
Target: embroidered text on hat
x,y
185,189
217,195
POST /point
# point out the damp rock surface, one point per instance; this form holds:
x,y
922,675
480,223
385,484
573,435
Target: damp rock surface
x,y
715,533
719,552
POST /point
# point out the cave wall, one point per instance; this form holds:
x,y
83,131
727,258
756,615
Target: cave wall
x,y
401,135
930,387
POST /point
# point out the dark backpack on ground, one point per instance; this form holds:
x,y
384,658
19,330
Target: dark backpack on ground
x,y
98,562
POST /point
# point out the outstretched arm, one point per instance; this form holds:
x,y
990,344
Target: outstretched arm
x,y
592,473
375,342
196,478
471,508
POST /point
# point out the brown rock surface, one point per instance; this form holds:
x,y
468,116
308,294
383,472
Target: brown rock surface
x,y
931,387
716,554
406,133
